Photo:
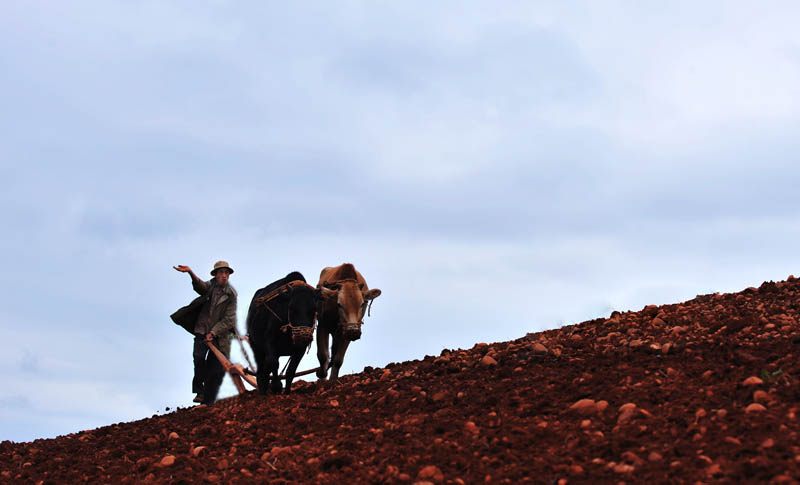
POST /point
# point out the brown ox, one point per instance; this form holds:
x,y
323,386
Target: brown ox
x,y
340,312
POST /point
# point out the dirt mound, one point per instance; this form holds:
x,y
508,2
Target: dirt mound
x,y
705,390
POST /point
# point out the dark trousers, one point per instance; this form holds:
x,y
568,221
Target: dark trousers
x,y
208,372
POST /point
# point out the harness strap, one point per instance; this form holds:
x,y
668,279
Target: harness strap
x,y
279,291
276,315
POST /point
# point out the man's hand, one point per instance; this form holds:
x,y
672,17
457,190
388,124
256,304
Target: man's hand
x,y
183,269
210,336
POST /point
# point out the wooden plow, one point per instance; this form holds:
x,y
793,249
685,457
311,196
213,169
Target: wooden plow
x,y
239,374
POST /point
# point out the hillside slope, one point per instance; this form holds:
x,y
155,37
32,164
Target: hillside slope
x,y
705,390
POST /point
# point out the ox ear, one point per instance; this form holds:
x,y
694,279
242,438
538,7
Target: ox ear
x,y
372,294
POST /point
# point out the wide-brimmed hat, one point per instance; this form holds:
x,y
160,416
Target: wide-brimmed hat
x,y
220,265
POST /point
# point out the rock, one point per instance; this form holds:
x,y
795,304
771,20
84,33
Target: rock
x,y
753,381
199,450
386,374
768,443
334,403
222,464
168,460
654,456
626,416
761,396
584,407
471,428
733,441
430,472
755,408
713,469
539,349
488,361
623,468
632,458
173,436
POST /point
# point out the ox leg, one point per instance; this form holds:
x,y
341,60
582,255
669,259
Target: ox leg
x,y
322,352
339,348
294,361
271,362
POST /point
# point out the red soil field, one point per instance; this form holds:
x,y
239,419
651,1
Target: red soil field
x,y
704,391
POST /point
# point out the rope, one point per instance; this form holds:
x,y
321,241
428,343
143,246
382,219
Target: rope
x,y
241,345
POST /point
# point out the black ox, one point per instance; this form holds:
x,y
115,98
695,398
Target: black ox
x,y
280,322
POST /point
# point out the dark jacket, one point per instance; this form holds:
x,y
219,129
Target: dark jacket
x,y
223,318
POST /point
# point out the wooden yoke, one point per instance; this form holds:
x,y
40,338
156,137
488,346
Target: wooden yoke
x,y
235,370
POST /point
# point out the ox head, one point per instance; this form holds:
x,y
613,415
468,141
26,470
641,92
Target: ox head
x,y
302,306
351,299
301,314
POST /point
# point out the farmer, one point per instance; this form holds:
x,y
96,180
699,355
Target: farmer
x,y
211,317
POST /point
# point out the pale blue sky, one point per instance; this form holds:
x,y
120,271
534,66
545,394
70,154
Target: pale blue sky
x,y
495,168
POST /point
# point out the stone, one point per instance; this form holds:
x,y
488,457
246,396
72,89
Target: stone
x,y
199,450
713,469
488,361
584,407
760,396
173,436
632,458
168,460
654,456
539,349
623,468
471,428
753,381
430,472
755,408
626,416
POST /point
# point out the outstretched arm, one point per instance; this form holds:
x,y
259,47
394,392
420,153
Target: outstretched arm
x,y
198,284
